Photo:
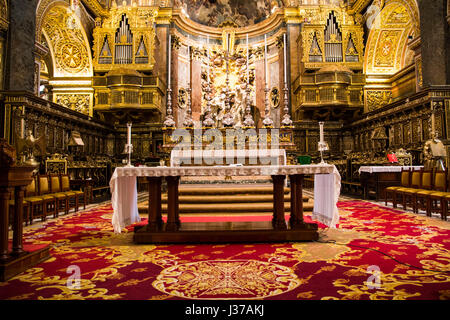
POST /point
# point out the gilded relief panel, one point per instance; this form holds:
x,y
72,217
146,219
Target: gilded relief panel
x,y
426,128
376,99
1,63
387,48
415,133
77,102
406,132
70,54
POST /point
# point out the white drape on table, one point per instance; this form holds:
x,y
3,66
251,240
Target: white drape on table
x,y
372,169
325,207
124,201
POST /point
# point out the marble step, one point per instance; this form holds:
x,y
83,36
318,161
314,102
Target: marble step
x,y
226,198
235,208
224,190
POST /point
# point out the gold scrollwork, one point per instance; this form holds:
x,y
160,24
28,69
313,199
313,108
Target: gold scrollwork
x,y
77,102
275,97
182,98
376,99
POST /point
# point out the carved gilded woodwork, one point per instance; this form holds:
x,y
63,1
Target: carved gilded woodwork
x,y
109,39
376,99
2,59
4,23
74,101
96,7
68,44
313,40
388,37
333,92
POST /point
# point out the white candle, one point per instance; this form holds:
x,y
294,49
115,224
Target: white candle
x,y
22,124
207,53
169,60
129,133
433,122
248,72
189,63
265,58
285,59
321,131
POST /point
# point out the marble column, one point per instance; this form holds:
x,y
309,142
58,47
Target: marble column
x,y
196,85
435,42
259,88
162,32
20,68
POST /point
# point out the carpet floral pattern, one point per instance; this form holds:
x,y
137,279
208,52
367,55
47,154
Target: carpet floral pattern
x,y
376,253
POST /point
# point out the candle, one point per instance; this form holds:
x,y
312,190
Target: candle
x,y
22,124
129,133
265,58
321,131
433,125
207,53
285,59
169,60
189,63
248,72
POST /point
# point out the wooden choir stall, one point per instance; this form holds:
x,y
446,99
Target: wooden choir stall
x,y
14,258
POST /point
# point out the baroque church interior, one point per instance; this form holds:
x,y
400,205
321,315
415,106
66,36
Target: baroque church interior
x,y
355,90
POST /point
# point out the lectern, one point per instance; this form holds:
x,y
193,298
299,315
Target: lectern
x,y
14,258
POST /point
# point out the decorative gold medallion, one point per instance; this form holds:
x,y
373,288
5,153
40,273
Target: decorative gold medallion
x,y
226,279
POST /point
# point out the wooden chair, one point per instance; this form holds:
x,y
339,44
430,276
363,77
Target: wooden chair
x,y
49,201
404,183
409,194
439,195
36,203
72,195
62,200
426,187
445,207
75,194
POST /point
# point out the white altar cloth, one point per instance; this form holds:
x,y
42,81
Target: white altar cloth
x,y
327,188
372,169
124,190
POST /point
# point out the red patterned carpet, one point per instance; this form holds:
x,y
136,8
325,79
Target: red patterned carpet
x,y
376,253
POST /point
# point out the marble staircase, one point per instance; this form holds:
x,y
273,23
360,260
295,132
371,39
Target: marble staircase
x,y
226,199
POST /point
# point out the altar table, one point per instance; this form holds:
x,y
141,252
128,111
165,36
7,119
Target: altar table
x,y
378,178
124,202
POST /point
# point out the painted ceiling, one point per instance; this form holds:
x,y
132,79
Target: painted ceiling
x,y
214,12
